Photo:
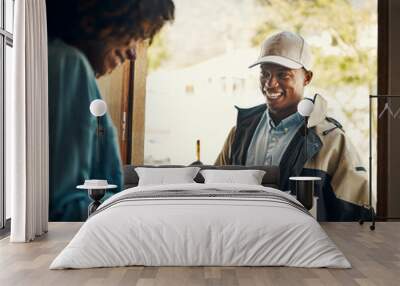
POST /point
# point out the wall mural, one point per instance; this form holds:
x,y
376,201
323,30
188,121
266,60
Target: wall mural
x,y
198,71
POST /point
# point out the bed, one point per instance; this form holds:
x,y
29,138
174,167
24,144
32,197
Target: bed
x,y
201,224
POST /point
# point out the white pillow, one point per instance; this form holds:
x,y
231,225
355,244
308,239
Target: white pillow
x,y
165,176
248,177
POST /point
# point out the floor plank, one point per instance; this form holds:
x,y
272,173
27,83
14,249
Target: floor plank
x,y
374,255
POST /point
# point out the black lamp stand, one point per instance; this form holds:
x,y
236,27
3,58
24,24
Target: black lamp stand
x,y
370,207
96,195
99,133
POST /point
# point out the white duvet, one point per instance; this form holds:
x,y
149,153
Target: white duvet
x,y
200,231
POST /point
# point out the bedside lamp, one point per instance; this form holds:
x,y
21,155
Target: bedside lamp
x,y
97,188
304,186
98,108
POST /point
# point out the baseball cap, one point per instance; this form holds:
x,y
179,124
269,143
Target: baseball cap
x,y
286,49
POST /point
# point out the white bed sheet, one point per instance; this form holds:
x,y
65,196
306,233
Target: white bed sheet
x,y
200,231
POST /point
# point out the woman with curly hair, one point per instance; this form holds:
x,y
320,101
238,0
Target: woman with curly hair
x,y
87,39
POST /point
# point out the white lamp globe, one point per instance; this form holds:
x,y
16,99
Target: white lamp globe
x,y
98,107
305,107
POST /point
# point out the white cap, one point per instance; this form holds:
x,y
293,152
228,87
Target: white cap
x,y
286,49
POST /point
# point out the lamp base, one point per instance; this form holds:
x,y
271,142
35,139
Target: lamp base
x,y
304,193
304,190
96,195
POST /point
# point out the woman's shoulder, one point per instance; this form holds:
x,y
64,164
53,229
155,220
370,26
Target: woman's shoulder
x,y
62,53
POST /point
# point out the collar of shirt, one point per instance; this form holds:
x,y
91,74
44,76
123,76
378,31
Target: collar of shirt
x,y
286,124
269,142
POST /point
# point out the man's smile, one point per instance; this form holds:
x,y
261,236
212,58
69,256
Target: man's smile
x,y
274,95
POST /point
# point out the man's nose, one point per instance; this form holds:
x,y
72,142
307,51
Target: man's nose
x,y
271,82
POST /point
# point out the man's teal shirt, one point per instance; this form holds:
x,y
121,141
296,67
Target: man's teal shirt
x,y
72,134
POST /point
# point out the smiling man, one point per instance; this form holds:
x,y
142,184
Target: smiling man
x,y
272,133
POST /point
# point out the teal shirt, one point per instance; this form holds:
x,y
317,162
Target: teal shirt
x,y
72,134
270,141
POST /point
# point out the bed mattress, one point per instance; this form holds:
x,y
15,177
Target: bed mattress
x,y
201,225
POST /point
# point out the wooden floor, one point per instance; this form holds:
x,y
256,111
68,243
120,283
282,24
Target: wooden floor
x,y
375,257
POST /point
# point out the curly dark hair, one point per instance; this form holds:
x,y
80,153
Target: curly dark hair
x,y
107,20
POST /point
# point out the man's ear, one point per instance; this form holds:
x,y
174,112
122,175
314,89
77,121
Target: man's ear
x,y
308,76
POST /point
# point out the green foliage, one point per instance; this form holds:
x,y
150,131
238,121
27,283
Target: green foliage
x,y
333,71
